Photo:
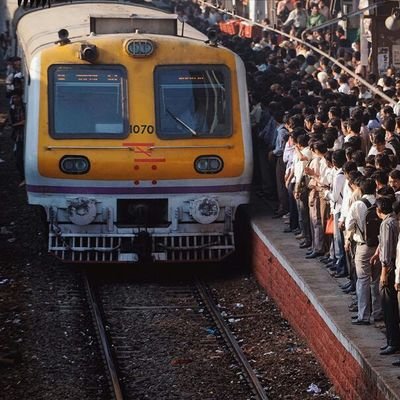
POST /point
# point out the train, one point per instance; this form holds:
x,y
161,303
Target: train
x,y
137,136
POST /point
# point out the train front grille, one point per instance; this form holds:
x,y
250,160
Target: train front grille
x,y
121,248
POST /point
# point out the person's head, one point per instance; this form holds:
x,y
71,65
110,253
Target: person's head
x,y
302,141
329,139
378,140
354,179
354,125
348,167
370,161
338,158
389,124
384,206
386,191
368,186
394,180
320,148
383,162
359,158
354,142
314,9
381,178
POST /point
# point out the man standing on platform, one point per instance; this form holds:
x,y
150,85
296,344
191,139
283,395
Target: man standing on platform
x,y
367,286
386,254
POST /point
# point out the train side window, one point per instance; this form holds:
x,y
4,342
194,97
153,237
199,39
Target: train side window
x,y
87,101
193,101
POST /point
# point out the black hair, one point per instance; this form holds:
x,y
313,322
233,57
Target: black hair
x,y
384,204
349,166
353,176
338,158
389,123
368,186
359,158
395,174
396,207
382,161
381,177
320,146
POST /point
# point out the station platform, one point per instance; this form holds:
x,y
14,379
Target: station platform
x,y
312,302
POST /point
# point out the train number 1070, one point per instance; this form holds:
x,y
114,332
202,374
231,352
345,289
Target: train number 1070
x,y
143,128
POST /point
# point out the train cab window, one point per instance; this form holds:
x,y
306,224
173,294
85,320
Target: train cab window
x,y
87,101
193,101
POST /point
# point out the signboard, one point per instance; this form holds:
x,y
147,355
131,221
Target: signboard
x,y
396,55
383,59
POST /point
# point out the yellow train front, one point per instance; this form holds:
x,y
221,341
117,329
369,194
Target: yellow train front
x,y
138,142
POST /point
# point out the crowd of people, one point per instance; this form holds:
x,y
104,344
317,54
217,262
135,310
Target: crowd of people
x,y
327,148
16,111
14,83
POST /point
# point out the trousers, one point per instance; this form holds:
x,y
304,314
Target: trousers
x,y
367,286
391,311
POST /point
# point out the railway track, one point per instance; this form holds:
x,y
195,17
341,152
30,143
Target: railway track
x,y
169,341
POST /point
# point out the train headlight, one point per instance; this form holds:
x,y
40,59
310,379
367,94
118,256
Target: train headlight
x,y
204,210
82,211
208,164
74,165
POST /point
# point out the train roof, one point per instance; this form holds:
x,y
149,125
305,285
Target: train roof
x,y
38,28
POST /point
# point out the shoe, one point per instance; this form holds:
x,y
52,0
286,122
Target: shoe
x,y
346,285
296,232
384,347
287,230
286,216
350,290
360,322
330,265
278,215
396,363
336,275
353,308
389,350
305,245
354,316
314,255
300,236
309,251
325,260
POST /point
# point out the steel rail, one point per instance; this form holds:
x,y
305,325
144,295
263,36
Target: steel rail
x,y
294,38
230,339
104,341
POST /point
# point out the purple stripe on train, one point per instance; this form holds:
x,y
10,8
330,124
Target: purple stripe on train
x,y
137,190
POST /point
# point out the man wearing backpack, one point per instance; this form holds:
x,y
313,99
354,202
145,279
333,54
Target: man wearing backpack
x,y
363,224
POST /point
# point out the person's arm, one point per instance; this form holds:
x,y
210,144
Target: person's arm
x,y
397,270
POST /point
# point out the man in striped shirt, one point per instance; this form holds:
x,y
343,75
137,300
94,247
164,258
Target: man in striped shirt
x,y
386,254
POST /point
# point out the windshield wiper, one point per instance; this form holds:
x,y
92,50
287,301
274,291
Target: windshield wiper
x,y
191,130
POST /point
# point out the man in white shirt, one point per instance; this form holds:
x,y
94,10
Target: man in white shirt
x,y
302,156
367,286
335,196
379,144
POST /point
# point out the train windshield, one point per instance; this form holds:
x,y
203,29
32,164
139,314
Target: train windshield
x,y
87,101
193,101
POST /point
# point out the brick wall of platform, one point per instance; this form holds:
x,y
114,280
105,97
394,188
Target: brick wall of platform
x,y
350,379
